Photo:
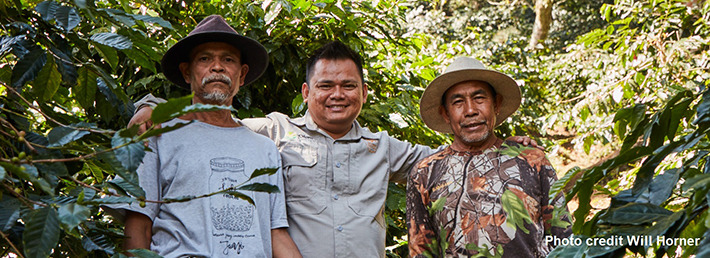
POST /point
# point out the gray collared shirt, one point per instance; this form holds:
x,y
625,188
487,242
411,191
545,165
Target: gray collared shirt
x,y
336,189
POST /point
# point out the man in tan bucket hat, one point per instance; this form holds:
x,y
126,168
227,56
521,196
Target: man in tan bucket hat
x,y
479,181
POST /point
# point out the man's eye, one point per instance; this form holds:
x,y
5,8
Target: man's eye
x,y
350,86
229,59
325,86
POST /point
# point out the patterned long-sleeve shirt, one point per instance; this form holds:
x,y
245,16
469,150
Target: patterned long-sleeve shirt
x,y
472,218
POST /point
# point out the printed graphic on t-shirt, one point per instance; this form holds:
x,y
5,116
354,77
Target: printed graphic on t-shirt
x,y
232,217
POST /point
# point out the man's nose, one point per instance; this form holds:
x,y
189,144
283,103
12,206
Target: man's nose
x,y
338,92
470,109
217,66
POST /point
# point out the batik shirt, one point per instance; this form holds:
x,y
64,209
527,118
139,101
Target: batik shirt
x,y
472,218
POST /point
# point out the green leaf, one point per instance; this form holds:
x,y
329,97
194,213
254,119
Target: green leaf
x,y
143,253
29,173
263,171
67,17
297,105
140,58
71,215
47,81
9,212
166,111
437,206
112,40
559,185
130,177
701,181
97,242
109,200
41,232
162,130
108,53
515,209
663,185
588,142
153,20
80,3
47,9
85,90
130,155
634,214
240,196
28,67
59,136
272,13
260,187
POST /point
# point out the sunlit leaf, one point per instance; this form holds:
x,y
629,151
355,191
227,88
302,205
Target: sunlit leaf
x,y
47,9
67,17
47,81
112,40
71,215
60,136
263,171
85,90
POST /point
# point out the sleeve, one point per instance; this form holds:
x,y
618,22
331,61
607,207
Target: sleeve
x,y
278,200
402,157
555,214
419,229
148,100
148,174
267,126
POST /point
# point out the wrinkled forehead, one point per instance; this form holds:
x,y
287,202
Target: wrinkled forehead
x,y
215,49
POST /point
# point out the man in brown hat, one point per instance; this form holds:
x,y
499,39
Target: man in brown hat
x,y
209,155
480,195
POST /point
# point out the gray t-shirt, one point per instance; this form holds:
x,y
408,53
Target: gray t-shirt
x,y
198,159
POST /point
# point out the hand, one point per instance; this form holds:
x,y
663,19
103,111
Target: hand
x,y
525,141
142,118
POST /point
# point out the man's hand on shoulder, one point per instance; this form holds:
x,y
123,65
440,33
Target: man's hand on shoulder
x,y
525,141
142,118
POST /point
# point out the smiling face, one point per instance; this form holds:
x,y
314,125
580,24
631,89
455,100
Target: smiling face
x,y
335,95
470,109
215,73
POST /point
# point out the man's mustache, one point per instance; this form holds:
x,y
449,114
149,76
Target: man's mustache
x,y
217,78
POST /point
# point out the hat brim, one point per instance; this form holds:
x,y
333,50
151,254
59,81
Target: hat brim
x,y
431,98
252,54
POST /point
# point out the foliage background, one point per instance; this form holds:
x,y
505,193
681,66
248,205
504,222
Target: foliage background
x,y
618,89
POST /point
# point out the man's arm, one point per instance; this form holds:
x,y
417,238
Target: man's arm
x,y
282,245
139,229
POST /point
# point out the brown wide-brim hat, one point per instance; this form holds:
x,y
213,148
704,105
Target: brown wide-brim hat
x,y
461,70
214,29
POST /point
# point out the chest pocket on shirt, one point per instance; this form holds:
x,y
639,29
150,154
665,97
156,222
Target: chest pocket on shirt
x,y
302,177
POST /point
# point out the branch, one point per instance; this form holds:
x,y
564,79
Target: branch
x,y
3,121
23,199
17,251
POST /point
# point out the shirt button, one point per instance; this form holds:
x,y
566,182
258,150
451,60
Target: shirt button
x,y
340,228
335,196
337,164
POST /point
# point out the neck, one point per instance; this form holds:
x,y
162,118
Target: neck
x,y
221,118
474,147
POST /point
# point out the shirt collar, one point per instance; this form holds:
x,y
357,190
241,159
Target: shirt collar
x,y
356,132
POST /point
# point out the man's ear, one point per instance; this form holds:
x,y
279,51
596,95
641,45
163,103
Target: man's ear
x,y
184,69
304,92
444,114
499,101
364,93
243,76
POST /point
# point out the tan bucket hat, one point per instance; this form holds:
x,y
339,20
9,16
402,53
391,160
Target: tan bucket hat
x,y
461,70
214,29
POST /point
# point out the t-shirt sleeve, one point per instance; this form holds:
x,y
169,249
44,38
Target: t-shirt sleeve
x,y
419,228
278,200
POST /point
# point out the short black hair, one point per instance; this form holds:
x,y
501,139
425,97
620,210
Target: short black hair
x,y
443,96
335,50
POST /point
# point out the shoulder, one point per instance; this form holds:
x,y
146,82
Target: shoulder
x,y
535,157
432,159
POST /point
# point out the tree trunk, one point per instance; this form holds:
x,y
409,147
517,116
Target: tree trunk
x,y
543,19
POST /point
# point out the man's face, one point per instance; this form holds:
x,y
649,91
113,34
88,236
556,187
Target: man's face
x,y
335,95
470,109
215,72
